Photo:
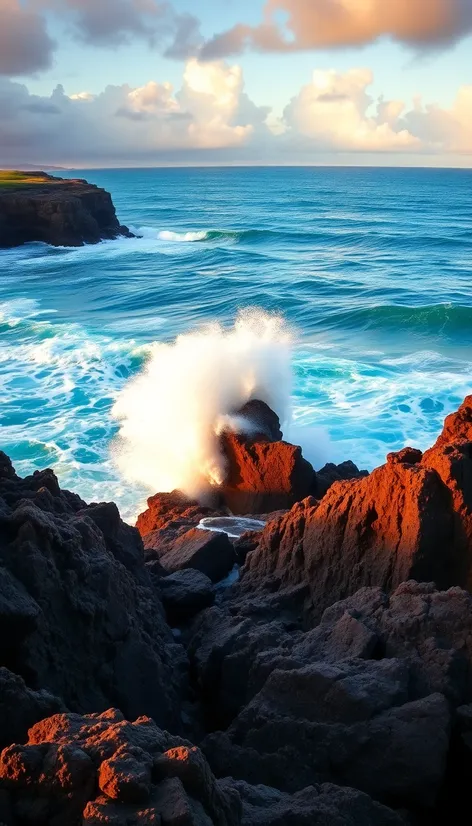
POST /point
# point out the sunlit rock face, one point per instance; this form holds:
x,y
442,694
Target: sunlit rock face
x,y
263,473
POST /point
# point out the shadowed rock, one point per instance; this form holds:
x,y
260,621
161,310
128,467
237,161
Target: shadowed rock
x,y
207,551
79,617
185,593
331,473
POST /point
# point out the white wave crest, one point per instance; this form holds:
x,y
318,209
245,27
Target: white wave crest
x,y
172,412
185,237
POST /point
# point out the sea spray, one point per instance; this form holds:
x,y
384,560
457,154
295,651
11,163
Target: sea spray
x,y
171,414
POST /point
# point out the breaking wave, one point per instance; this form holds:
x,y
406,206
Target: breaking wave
x,y
171,414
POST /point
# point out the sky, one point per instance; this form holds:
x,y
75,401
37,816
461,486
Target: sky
x,y
108,83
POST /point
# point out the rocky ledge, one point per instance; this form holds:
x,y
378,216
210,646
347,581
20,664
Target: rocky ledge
x,y
35,206
331,683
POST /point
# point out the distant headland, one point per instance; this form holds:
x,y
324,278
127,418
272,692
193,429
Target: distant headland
x,y
35,206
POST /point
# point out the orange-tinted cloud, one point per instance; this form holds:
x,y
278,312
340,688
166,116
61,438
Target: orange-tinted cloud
x,y
316,24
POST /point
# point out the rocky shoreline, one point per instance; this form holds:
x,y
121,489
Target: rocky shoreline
x,y
35,206
330,683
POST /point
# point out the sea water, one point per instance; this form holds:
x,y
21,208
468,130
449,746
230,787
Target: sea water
x,y
370,268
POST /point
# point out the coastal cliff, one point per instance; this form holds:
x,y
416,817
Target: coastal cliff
x,y
35,206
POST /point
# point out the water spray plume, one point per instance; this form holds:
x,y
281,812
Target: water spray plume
x,y
171,414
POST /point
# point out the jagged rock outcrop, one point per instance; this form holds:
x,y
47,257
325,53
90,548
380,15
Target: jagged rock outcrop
x,y
79,617
263,473
39,207
396,524
451,458
325,686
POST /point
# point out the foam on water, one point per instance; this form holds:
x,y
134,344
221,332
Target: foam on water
x,y
58,386
232,526
185,237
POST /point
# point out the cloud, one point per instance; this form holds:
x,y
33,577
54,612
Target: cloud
x,y
210,112
331,113
445,127
210,118
321,24
109,23
25,46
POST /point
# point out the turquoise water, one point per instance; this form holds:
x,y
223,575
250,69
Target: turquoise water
x,y
371,267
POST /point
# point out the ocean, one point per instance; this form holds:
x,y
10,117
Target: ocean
x,y
370,268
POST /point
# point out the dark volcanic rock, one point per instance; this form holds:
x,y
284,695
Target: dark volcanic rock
x,y
263,473
207,551
260,420
57,211
362,699
335,473
394,525
185,593
100,769
349,723
315,806
79,617
21,708
451,458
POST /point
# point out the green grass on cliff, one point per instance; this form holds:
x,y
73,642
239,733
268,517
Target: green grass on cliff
x,y
10,177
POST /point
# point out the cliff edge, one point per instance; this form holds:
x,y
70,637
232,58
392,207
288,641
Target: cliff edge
x,y
35,206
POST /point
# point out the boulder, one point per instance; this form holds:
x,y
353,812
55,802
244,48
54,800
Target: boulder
x,y
79,617
21,707
258,419
185,593
207,551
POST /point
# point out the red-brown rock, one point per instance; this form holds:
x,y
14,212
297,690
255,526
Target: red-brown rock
x,y
169,516
145,776
263,476
457,426
394,525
